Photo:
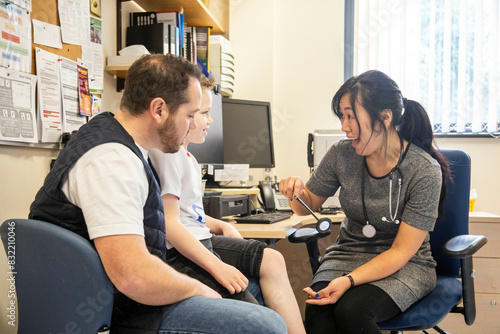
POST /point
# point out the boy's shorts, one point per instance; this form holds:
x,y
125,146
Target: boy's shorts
x,y
245,255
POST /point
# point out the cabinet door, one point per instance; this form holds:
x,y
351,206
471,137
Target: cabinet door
x,y
487,317
487,278
492,233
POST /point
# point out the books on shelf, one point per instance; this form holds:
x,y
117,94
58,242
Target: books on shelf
x,y
142,18
202,45
190,42
166,32
157,38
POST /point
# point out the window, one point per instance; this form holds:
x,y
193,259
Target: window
x,y
442,53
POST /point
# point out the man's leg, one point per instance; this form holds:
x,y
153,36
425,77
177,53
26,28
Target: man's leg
x,y
220,316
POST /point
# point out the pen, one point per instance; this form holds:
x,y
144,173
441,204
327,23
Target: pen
x,y
305,206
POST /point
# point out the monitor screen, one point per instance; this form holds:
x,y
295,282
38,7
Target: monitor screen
x,y
212,150
248,135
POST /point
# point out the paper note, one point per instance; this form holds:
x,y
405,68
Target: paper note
x,y
232,173
75,21
49,96
15,37
84,91
46,34
72,120
96,104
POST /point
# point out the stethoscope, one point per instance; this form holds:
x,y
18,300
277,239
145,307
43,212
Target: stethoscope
x,y
369,230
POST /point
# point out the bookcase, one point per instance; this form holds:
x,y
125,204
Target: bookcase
x,y
212,13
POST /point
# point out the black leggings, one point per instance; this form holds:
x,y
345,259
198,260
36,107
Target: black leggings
x,y
357,311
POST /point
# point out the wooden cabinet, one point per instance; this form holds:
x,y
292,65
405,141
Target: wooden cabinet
x,y
487,280
208,13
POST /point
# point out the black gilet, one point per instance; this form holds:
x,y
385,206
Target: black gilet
x,y
51,205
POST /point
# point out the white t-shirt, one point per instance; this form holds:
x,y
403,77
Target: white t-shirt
x,y
110,185
180,176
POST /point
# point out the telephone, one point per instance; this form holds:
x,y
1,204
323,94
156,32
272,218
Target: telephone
x,y
271,198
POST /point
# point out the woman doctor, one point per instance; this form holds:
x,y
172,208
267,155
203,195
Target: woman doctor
x,y
392,189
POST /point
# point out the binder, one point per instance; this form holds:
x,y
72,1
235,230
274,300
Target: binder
x,y
153,36
142,18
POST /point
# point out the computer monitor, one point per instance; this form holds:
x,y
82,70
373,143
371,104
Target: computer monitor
x,y
248,134
212,150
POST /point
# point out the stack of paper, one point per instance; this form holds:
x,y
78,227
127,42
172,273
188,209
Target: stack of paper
x,y
127,55
221,62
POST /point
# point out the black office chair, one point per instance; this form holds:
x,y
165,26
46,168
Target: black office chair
x,y
452,248
60,282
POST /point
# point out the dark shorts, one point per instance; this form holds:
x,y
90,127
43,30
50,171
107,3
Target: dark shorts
x,y
245,255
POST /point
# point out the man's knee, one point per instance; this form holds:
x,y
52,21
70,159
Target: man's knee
x,y
262,320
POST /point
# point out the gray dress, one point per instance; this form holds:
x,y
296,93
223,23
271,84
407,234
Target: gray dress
x,y
418,207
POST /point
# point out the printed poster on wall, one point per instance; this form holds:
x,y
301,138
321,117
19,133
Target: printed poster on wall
x,y
74,17
84,91
49,96
15,37
17,106
72,120
93,57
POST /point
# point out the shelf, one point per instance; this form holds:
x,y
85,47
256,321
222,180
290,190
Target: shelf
x,y
119,71
195,12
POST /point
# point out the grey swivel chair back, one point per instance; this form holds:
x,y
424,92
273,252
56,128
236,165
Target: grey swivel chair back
x,y
60,282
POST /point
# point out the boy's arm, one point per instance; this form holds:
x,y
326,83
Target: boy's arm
x,y
186,244
219,227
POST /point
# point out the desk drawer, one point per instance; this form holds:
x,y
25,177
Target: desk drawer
x,y
487,279
492,232
487,317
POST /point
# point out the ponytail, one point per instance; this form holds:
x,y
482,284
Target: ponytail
x,y
415,125
416,128
376,91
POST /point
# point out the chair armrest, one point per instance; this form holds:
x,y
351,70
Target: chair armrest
x,y
464,246
304,234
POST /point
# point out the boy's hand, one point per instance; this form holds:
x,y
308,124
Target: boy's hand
x,y
229,230
230,278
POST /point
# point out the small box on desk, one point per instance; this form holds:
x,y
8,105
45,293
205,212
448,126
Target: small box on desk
x,y
226,205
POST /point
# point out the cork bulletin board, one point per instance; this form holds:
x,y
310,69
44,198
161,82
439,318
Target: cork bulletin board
x,y
46,11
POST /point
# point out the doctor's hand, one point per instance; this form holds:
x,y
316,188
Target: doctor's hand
x,y
292,186
329,295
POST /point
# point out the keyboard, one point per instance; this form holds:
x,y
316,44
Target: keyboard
x,y
265,218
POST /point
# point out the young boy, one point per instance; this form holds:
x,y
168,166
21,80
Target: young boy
x,y
212,250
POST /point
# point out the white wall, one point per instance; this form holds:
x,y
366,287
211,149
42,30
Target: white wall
x,y
297,65
288,53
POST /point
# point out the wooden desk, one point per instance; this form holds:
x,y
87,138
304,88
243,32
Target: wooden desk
x,y
236,191
483,217
278,230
